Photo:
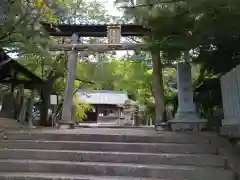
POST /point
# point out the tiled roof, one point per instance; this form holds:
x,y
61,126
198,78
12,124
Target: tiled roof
x,y
102,97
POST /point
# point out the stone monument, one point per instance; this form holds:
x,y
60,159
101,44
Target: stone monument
x,y
186,118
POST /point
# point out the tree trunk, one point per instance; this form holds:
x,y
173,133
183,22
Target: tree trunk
x,y
30,105
45,96
7,104
8,109
19,100
23,111
47,89
158,88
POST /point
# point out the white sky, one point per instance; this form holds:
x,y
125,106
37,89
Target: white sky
x,y
112,10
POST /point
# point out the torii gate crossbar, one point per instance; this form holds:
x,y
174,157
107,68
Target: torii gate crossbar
x,y
98,47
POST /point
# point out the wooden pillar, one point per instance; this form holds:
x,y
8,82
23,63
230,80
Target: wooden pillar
x,y
11,103
22,113
30,108
67,120
19,100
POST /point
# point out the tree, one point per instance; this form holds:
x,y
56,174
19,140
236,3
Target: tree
x,y
140,14
131,76
209,30
52,68
80,12
21,32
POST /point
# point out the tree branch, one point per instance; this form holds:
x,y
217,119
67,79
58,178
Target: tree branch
x,y
84,81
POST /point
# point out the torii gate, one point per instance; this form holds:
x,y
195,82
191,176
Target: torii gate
x,y
186,117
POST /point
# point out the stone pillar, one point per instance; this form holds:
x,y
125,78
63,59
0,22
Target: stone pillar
x,y
187,117
233,97
67,119
230,87
237,76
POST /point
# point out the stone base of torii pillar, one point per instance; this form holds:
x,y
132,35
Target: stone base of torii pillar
x,y
186,118
62,124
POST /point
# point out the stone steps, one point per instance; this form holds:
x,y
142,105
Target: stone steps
x,y
115,157
116,169
159,138
110,146
48,176
68,156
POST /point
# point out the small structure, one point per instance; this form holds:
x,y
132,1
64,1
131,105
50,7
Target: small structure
x,y
17,77
107,106
131,109
11,72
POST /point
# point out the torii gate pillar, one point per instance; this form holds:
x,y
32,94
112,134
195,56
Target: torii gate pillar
x,y
67,120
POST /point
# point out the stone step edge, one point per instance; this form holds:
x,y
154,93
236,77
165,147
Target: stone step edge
x,y
206,160
107,142
53,176
117,169
157,167
110,146
173,138
172,155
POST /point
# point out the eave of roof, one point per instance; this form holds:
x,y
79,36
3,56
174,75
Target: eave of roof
x,y
9,69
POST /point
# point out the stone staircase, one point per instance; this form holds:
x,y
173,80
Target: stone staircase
x,y
53,156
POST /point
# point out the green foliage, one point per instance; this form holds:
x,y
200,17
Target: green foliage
x,y
81,108
22,32
209,29
130,76
80,11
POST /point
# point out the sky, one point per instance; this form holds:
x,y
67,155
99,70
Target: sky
x,y
112,10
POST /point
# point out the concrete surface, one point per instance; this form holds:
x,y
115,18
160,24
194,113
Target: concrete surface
x,y
108,135
117,169
114,157
110,146
112,153
47,176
